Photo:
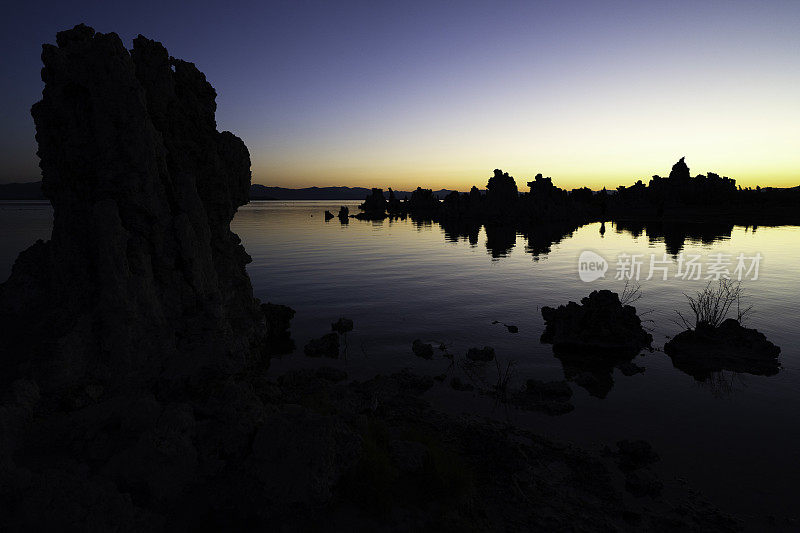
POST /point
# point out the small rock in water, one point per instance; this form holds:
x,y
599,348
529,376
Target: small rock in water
x,y
730,346
328,215
481,354
600,322
327,346
342,326
509,327
422,349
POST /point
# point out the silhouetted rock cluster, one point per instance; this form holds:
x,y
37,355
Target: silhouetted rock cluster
x,y
374,206
600,322
730,346
344,214
546,214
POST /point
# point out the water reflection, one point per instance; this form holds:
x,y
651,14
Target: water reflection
x,y
501,239
675,234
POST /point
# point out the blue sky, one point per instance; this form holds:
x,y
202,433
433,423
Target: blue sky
x,y
440,93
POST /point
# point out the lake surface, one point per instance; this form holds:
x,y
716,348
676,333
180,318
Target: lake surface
x,y
735,437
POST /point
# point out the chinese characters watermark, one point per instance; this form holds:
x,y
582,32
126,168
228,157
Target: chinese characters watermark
x,y
714,266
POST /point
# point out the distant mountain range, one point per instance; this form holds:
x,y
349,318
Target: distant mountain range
x,y
261,192
33,191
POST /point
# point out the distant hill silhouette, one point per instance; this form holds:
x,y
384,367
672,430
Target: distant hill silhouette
x,y
262,192
33,191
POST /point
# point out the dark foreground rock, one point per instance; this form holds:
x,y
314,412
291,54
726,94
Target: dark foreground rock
x,y
634,457
142,275
730,346
325,346
600,323
278,320
422,349
342,326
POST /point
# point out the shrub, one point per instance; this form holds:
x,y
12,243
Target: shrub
x,y
712,305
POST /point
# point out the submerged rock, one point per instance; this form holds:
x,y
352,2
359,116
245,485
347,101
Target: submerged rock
x,y
600,322
422,349
481,354
325,346
730,346
342,326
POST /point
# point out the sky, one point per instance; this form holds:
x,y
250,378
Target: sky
x,y
439,94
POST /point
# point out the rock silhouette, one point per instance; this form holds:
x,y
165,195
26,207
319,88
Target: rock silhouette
x,y
592,338
278,320
676,208
422,349
344,214
600,323
142,268
703,351
374,206
124,334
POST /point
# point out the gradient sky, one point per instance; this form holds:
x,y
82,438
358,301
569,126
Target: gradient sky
x,y
440,93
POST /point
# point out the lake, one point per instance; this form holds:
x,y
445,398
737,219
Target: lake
x,y
735,437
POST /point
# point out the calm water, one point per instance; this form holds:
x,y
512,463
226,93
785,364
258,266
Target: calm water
x,y
737,439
